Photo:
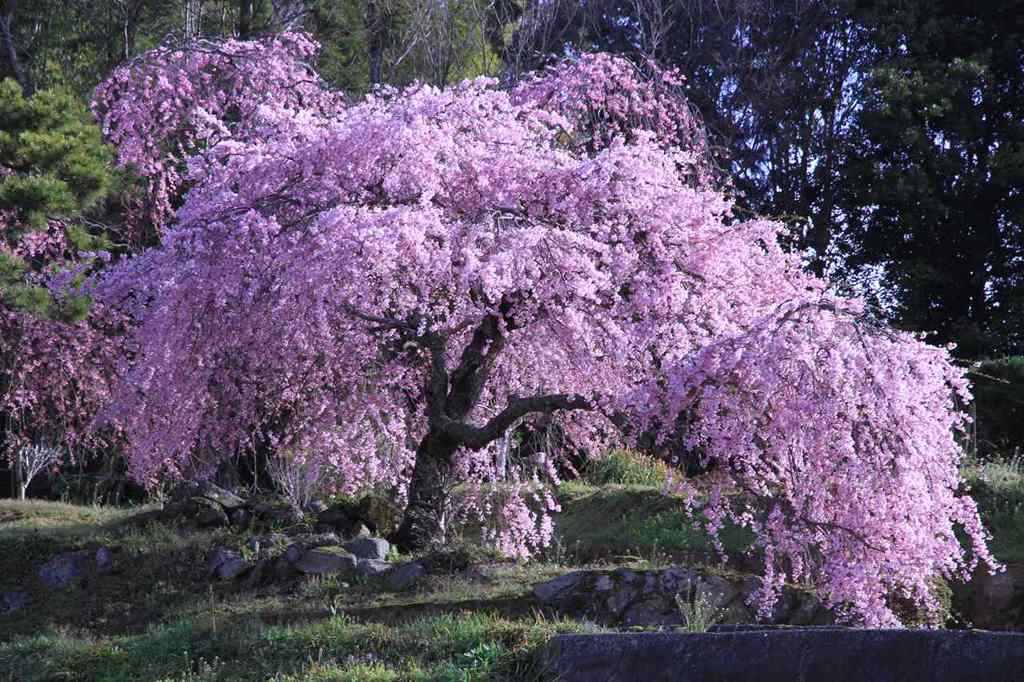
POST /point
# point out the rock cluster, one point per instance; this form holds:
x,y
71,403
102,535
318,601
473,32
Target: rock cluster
x,y
624,597
207,505
281,557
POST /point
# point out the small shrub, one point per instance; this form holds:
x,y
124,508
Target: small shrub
x,y
297,478
627,467
698,613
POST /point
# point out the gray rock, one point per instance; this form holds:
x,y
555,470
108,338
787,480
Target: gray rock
x,y
283,569
653,611
404,576
786,654
260,570
341,519
621,599
232,568
204,512
11,602
674,580
379,514
373,567
808,611
994,602
225,564
547,591
324,560
266,543
626,575
104,559
293,553
369,548
716,591
64,569
223,497
207,490
240,517
280,513
318,539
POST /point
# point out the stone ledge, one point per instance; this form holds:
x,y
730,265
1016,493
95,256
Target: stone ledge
x,y
789,655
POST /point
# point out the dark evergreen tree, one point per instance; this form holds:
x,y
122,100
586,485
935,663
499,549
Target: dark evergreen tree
x,y
933,189
53,167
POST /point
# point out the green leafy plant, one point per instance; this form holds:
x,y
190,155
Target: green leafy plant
x,y
53,165
627,467
697,611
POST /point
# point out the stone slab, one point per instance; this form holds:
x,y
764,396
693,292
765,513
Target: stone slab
x,y
790,655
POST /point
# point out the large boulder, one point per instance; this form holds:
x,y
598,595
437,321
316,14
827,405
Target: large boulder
x,y
226,564
278,513
381,516
261,571
326,560
370,515
369,548
203,512
405,576
269,544
993,602
205,489
67,568
374,568
341,519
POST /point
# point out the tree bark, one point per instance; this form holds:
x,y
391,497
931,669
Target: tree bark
x,y
192,11
245,15
451,398
425,519
376,29
21,74
19,477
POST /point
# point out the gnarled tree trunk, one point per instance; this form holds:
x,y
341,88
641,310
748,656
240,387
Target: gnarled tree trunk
x,y
451,398
426,515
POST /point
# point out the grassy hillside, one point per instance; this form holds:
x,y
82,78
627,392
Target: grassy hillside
x,y
158,616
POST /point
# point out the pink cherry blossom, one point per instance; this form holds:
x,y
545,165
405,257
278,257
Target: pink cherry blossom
x,y
391,288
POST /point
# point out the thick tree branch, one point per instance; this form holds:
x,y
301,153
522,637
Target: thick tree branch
x,y
474,367
476,438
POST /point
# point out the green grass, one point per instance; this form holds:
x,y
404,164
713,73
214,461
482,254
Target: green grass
x,y
635,521
998,488
158,617
626,467
155,576
462,646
